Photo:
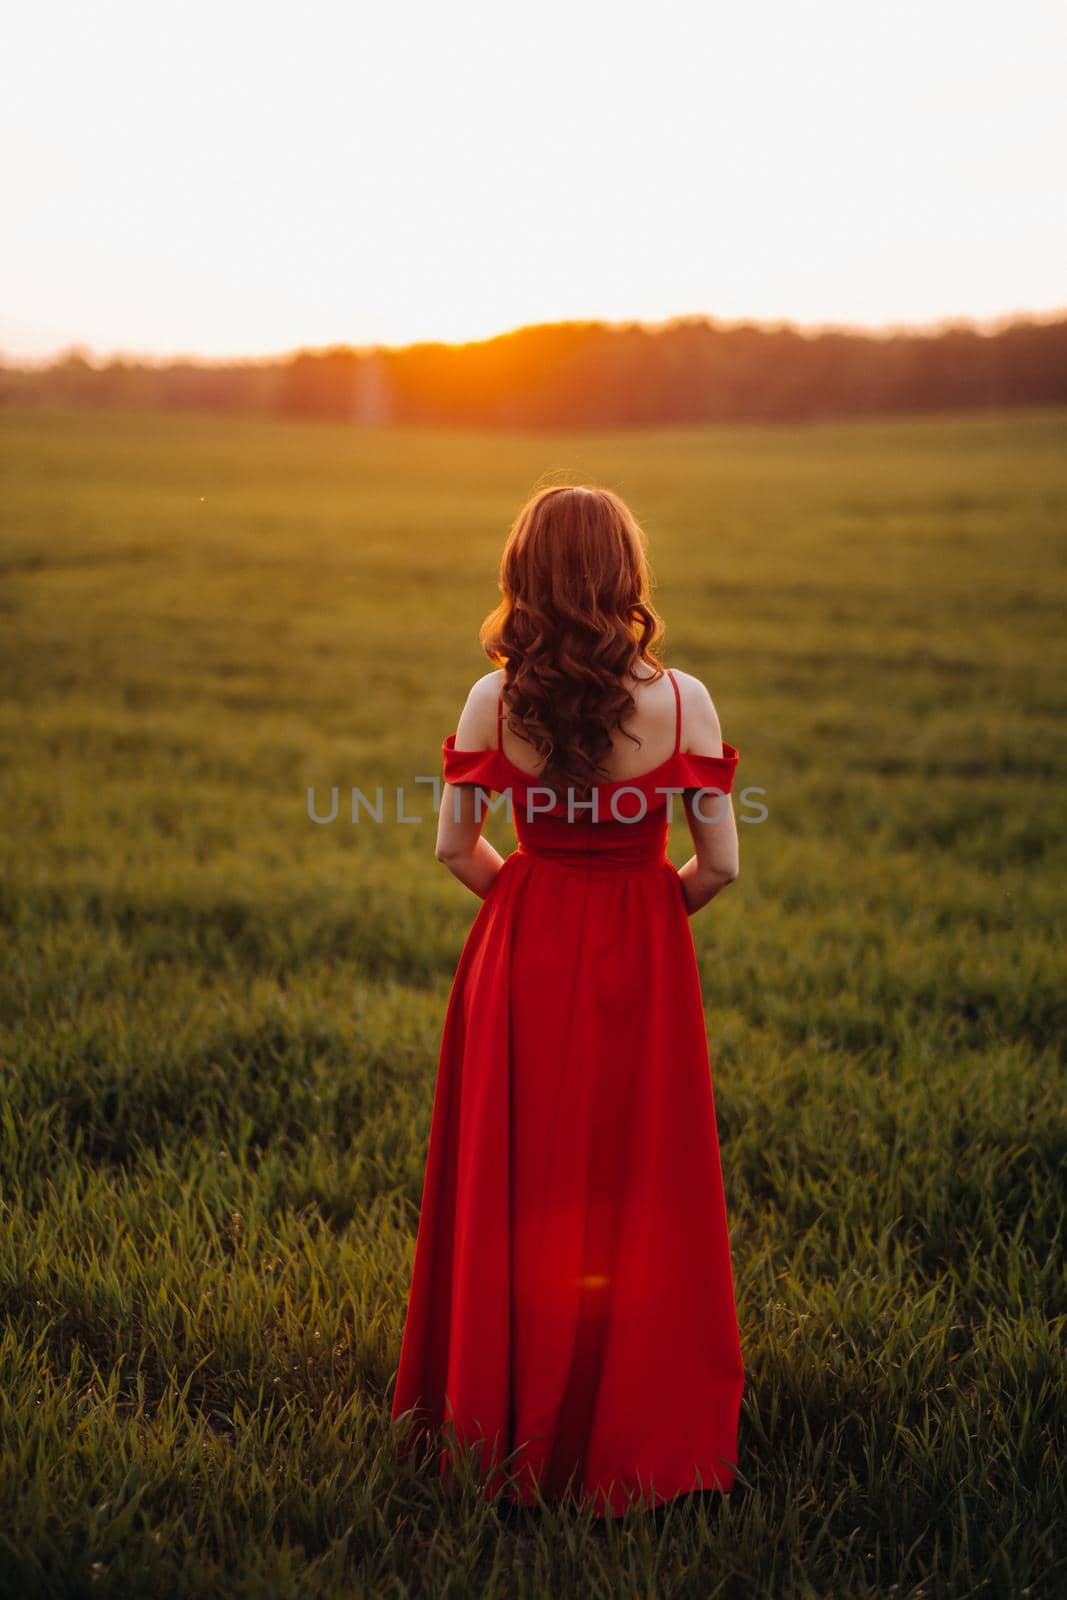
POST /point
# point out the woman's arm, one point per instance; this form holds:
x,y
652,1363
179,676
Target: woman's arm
x,y
460,845
710,816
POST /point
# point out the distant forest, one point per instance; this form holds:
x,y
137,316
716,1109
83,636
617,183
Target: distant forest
x,y
593,374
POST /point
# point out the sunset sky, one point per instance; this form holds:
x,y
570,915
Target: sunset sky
x,y
241,179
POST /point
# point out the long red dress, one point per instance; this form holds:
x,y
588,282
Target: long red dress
x,y
571,1312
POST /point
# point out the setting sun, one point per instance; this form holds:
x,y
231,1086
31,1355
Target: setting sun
x,y
244,180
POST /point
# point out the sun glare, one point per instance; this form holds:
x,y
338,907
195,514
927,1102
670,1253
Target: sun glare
x,y
247,180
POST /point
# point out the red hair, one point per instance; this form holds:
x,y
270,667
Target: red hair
x,y
575,618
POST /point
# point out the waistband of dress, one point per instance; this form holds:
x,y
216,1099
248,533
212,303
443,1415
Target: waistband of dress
x,y
596,861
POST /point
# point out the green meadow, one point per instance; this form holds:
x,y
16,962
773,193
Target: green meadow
x,y
220,1019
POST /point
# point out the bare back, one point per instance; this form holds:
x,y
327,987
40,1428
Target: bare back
x,y
653,722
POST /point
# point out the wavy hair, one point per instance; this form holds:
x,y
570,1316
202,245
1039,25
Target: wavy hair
x,y
575,618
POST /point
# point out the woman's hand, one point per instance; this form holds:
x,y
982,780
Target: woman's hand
x,y
476,867
701,884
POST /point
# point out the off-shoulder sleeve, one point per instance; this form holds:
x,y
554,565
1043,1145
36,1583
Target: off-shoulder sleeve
x,y
467,766
707,772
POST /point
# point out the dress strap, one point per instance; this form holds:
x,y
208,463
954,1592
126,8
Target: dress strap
x,y
499,715
677,714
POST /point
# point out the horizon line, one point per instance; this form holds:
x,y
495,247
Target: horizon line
x,y
929,327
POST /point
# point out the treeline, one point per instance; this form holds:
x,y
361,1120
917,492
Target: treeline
x,y
577,374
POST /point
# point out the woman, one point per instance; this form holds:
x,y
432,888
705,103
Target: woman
x,y
571,1314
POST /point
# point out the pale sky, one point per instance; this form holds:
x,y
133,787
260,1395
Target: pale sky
x,y
244,179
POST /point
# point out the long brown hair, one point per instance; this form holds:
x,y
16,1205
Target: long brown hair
x,y
575,618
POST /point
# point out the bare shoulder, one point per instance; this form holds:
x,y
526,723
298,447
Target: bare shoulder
x,y
476,729
701,732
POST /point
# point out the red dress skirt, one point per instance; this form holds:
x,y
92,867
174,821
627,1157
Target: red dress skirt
x,y
571,1313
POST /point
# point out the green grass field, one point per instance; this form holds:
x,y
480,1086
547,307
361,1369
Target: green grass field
x,y
221,1020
